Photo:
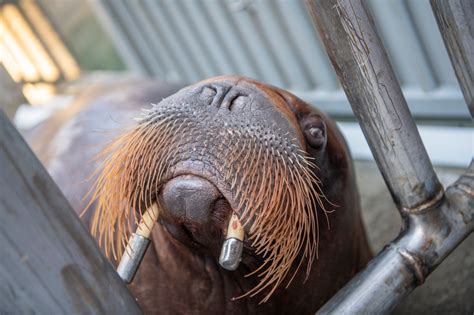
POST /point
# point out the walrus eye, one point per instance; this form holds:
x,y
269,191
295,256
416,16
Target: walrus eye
x,y
314,131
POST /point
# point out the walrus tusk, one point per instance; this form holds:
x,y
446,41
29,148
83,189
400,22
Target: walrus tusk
x,y
231,252
137,245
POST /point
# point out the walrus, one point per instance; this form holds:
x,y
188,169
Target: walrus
x,y
221,147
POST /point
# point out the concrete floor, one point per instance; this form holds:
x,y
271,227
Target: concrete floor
x,y
450,288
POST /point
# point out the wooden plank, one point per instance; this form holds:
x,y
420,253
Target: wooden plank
x,y
48,264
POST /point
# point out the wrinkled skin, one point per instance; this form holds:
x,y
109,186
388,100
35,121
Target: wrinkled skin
x,y
180,273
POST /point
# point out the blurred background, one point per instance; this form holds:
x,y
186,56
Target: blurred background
x,y
50,50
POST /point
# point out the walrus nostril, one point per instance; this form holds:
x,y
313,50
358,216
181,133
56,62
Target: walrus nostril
x,y
189,197
208,94
222,96
238,103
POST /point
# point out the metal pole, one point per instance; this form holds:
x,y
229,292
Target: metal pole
x,y
434,222
456,22
360,61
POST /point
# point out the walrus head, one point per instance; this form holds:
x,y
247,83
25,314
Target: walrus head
x,y
222,146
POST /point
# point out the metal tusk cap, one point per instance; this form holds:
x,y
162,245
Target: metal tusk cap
x,y
137,245
132,257
231,252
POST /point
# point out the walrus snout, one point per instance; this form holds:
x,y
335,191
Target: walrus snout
x,y
189,198
223,147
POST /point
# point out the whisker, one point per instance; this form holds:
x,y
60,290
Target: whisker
x,y
276,192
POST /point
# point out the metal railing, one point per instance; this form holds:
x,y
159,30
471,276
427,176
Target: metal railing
x,y
435,221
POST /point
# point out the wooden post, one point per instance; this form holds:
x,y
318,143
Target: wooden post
x,y
48,262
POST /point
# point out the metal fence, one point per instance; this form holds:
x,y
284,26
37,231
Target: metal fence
x,y
275,42
435,221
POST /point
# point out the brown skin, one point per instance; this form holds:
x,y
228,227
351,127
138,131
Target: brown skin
x,y
180,273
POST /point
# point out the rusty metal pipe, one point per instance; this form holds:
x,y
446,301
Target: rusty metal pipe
x,y
361,63
435,222
427,239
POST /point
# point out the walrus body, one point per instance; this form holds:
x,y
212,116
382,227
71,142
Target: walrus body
x,y
180,272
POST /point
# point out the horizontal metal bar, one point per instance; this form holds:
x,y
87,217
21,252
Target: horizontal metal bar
x,y
441,104
451,154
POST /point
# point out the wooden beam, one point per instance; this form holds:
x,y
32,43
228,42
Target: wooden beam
x,y
48,263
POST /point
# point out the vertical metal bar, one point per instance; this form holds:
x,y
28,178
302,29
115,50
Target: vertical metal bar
x,y
432,42
434,222
282,46
428,238
135,35
308,46
216,12
361,63
121,42
159,51
196,49
245,19
203,27
399,34
167,33
456,22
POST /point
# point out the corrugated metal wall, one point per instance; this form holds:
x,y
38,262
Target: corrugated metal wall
x,y
275,42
